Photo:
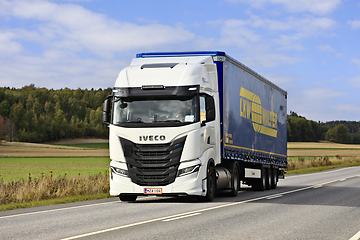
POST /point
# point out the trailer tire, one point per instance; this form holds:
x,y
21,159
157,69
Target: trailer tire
x,y
274,178
259,184
210,184
127,197
268,178
235,179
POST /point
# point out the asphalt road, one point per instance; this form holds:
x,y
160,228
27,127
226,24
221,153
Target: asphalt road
x,y
323,205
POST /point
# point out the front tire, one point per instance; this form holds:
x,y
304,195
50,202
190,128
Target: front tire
x,y
210,185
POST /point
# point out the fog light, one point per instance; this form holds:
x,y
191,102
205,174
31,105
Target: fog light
x,y
188,170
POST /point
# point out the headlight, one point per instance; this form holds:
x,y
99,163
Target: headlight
x,y
188,170
120,171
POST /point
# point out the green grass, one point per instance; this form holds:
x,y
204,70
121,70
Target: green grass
x,y
87,145
14,169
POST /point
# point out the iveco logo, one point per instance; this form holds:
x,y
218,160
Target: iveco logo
x,y
152,138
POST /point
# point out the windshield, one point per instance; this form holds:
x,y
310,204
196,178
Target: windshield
x,y
175,110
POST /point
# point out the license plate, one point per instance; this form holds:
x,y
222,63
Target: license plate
x,y
152,190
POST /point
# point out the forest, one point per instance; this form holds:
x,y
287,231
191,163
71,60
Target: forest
x,y
299,129
32,114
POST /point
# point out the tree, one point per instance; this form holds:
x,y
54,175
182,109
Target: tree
x,y
4,108
339,134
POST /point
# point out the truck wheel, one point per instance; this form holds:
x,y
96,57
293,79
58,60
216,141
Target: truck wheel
x,y
235,180
210,185
274,178
268,178
127,197
259,184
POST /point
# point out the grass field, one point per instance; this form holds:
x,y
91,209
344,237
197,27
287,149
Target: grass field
x,y
44,174
314,157
13,169
18,149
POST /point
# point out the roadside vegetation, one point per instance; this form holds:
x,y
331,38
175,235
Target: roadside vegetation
x,y
59,178
49,187
316,164
315,157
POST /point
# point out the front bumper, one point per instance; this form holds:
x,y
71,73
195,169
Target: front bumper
x,y
191,184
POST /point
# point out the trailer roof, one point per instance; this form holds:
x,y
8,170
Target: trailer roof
x,y
210,53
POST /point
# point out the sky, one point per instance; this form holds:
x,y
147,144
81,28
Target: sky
x,y
310,48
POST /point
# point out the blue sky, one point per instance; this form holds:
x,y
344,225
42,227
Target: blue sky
x,y
308,47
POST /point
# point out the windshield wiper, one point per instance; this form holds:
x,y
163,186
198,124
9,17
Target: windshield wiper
x,y
177,121
137,121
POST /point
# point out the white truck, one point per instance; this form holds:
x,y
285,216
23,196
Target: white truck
x,y
193,123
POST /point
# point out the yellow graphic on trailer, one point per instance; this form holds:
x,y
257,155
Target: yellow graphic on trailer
x,y
263,120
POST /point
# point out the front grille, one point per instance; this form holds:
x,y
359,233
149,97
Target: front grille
x,y
153,164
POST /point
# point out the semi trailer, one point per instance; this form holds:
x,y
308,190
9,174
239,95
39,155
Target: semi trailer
x,y
193,124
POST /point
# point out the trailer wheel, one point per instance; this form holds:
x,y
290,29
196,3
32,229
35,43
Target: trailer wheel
x,y
268,178
259,184
210,185
235,180
127,197
274,178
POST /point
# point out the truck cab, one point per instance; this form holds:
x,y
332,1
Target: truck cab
x,y
162,128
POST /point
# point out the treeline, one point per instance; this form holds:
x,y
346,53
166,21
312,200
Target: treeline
x,y
32,114
299,129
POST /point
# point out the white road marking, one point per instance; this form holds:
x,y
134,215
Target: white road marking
x,y
54,210
172,219
356,236
276,196
319,186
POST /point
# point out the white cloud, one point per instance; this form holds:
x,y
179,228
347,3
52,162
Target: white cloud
x,y
347,111
7,46
265,42
356,61
269,59
69,26
316,103
354,24
290,30
53,70
319,7
321,95
329,49
65,41
355,82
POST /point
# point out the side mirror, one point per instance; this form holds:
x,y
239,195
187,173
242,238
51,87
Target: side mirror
x,y
106,110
